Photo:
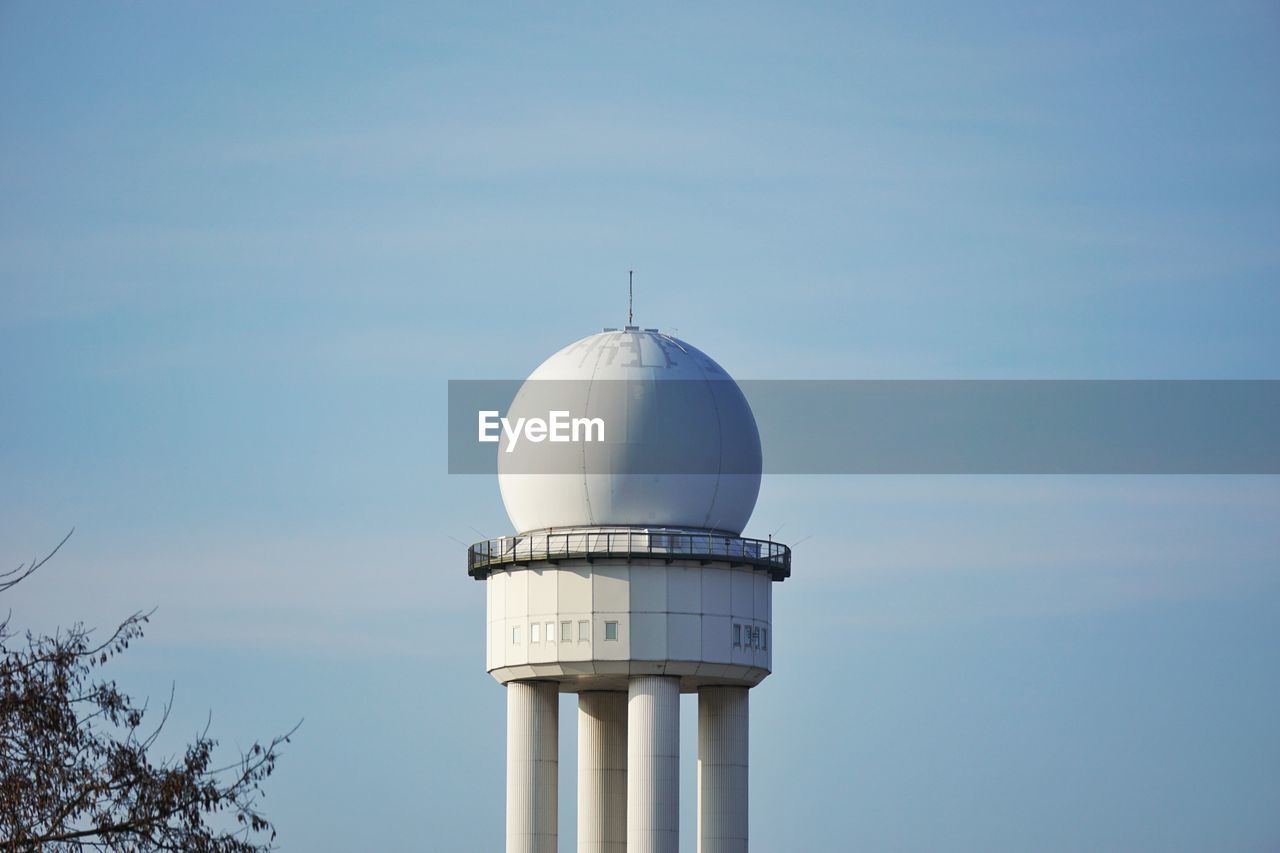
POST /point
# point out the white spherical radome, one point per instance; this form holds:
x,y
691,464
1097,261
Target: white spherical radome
x,y
680,449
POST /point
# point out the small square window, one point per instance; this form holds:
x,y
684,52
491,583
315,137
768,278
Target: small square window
x,y
611,630
551,632
566,632
535,633
515,635
584,631
737,635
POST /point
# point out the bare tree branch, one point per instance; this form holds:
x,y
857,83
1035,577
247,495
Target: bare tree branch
x,y
75,769
15,576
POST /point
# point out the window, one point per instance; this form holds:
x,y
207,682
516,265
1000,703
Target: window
x,y
535,633
611,630
737,635
566,632
551,632
584,631
515,635
764,639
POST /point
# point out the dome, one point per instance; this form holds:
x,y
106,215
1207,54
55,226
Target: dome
x,y
680,446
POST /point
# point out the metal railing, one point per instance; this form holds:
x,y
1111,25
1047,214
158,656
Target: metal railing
x,y
669,545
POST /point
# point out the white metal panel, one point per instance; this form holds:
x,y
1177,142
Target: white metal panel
x,y
716,639
744,594
610,590
496,586
764,594
715,591
684,636
517,595
574,589
684,589
648,589
495,648
542,591
648,635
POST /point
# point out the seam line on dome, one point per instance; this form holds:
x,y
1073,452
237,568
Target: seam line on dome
x,y
715,405
586,489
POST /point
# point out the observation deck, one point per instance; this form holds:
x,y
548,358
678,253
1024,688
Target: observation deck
x,y
552,546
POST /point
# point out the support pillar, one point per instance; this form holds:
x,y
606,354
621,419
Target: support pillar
x,y
602,771
653,764
533,712
722,769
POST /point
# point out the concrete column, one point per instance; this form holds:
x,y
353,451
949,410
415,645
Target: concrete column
x,y
722,769
653,764
532,761
602,771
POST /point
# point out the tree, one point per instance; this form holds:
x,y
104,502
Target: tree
x,y
75,768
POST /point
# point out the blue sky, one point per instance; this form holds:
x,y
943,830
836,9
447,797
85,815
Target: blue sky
x,y
242,247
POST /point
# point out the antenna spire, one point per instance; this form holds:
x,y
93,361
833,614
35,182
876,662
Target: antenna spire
x,y
630,295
